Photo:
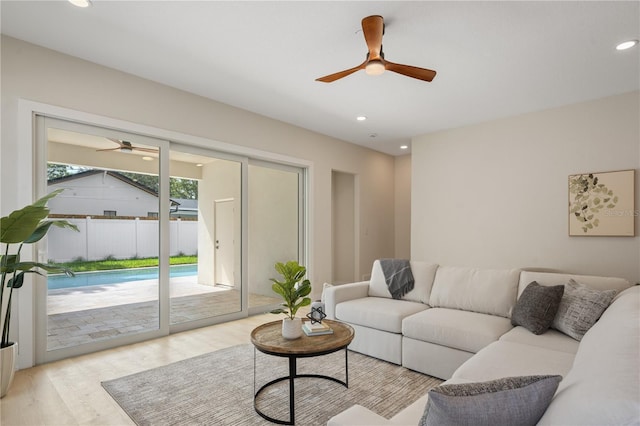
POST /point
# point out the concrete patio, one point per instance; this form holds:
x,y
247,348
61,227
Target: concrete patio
x,y
86,314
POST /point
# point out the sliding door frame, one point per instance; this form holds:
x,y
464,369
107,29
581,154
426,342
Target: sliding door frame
x,y
32,156
43,354
244,251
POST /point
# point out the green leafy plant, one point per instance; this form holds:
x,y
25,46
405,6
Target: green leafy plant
x,y
25,226
292,288
589,197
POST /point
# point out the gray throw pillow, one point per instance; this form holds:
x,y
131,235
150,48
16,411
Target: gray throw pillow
x,y
537,307
580,308
504,402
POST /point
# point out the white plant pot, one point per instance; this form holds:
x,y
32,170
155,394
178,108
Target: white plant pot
x,y
8,357
292,328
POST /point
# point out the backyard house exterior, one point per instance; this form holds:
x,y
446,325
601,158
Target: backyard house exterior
x,y
116,216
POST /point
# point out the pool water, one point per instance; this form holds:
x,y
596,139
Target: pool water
x,y
84,279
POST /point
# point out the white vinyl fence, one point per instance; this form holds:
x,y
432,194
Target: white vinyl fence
x,y
120,238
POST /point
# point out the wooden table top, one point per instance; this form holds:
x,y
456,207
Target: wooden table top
x,y
268,338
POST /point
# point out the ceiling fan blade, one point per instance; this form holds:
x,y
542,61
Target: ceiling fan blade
x,y
119,142
410,71
333,77
135,148
373,29
109,149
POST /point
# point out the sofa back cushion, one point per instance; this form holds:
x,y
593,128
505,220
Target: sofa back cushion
x,y
423,274
487,291
603,386
551,278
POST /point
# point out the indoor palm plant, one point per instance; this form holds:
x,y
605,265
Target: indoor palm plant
x,y
25,226
292,289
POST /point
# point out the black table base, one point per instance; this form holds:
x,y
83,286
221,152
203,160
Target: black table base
x,y
291,377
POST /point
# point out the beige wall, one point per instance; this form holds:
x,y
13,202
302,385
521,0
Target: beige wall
x,y
495,194
403,207
37,74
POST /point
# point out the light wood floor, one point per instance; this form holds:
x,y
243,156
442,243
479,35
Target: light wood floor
x,y
68,392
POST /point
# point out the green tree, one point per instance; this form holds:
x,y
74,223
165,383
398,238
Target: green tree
x,y
183,188
55,171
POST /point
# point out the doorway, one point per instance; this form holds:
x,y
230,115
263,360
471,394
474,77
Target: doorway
x,y
343,223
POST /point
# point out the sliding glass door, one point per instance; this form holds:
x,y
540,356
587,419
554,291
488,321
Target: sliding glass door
x,y
111,192
276,216
211,220
172,236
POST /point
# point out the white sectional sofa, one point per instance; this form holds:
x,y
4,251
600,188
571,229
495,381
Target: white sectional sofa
x,y
456,325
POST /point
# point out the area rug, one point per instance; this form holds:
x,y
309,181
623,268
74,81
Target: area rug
x,y
217,389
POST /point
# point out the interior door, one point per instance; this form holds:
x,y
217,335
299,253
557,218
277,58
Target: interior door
x,y
225,242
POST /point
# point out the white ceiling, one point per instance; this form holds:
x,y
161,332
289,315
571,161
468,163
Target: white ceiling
x,y
494,59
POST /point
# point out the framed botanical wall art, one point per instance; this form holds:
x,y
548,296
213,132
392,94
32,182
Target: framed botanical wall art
x,y
602,204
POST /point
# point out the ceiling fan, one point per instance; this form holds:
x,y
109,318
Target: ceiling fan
x,y
126,146
375,63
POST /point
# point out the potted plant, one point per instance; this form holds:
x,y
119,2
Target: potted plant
x,y
25,226
292,288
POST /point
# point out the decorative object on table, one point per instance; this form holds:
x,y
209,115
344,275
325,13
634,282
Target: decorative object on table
x,y
317,312
292,289
602,204
316,329
25,226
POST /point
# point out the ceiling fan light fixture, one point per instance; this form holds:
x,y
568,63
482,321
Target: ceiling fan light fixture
x,y
375,67
627,45
80,3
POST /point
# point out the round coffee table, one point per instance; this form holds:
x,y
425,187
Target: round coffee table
x,y
268,339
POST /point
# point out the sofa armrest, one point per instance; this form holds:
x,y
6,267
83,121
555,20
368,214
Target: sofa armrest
x,y
357,415
341,293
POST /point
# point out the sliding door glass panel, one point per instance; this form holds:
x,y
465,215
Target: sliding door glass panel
x,y
111,193
206,229
275,214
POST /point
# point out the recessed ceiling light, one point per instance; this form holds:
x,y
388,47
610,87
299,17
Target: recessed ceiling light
x,y
80,3
373,135
404,147
627,45
145,158
199,165
361,118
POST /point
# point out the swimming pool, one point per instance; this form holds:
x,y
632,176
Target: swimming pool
x,y
84,279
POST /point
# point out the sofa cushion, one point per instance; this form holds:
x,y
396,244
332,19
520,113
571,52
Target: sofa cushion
x,y
377,312
552,339
552,278
505,359
467,331
537,307
580,308
423,274
487,291
502,402
603,387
